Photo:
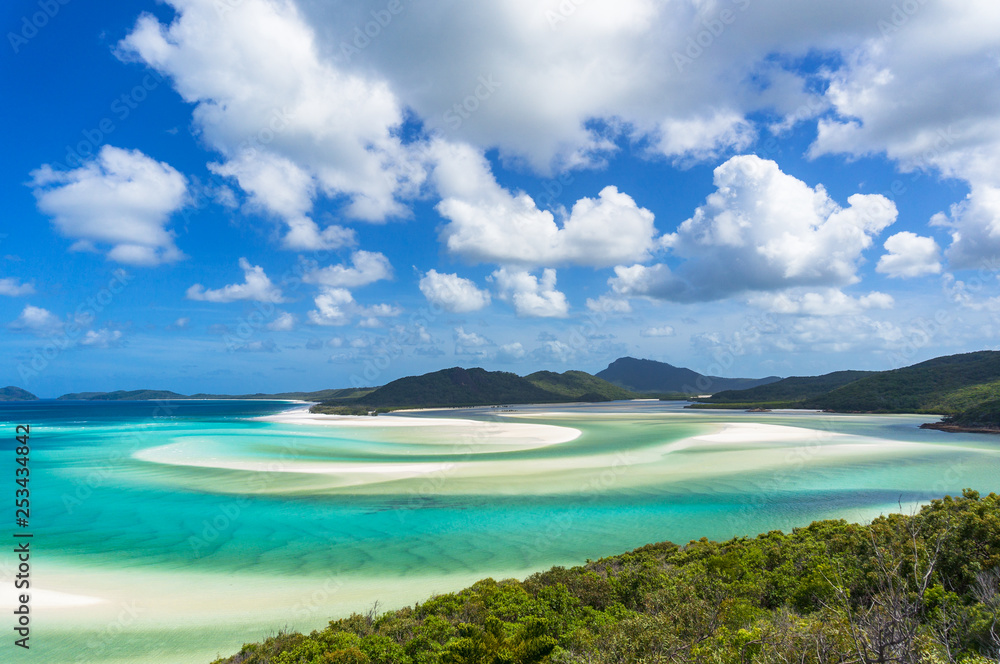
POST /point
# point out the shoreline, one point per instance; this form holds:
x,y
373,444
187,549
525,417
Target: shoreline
x,y
959,428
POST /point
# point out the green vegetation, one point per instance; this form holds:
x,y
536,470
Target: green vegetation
x,y
458,387
950,385
578,386
907,589
789,390
12,393
649,376
986,414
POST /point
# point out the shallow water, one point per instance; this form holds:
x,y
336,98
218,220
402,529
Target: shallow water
x,y
177,531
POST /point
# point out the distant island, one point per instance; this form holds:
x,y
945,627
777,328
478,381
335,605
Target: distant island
x,y
11,393
652,376
963,388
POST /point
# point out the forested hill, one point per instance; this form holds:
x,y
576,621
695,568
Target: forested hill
x,y
790,390
922,588
946,385
12,393
659,377
478,387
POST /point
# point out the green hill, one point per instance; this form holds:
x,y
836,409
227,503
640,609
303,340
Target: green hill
x,y
789,390
456,387
920,588
578,386
984,415
943,385
648,376
12,393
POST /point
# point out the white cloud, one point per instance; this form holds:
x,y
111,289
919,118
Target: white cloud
x,y
471,339
975,229
511,352
336,306
702,138
256,286
827,302
924,92
553,351
283,323
290,125
567,75
531,296
761,230
121,198
104,338
452,292
910,255
333,307
12,287
37,321
367,267
181,323
609,304
489,224
472,344
662,331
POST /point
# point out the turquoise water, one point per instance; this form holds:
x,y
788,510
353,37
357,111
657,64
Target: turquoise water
x,y
173,532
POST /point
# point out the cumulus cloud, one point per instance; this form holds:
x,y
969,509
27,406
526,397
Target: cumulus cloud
x,y
366,267
761,230
826,302
472,344
923,92
333,307
974,224
661,331
122,199
531,296
570,75
910,255
12,287
609,304
452,292
103,338
489,224
553,351
36,320
283,323
701,138
511,352
337,306
256,286
289,124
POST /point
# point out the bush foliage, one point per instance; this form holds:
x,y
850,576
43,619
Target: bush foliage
x,y
908,589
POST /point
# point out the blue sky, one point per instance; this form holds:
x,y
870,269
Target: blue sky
x,y
253,195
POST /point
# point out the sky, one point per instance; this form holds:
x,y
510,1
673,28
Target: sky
x,y
240,196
